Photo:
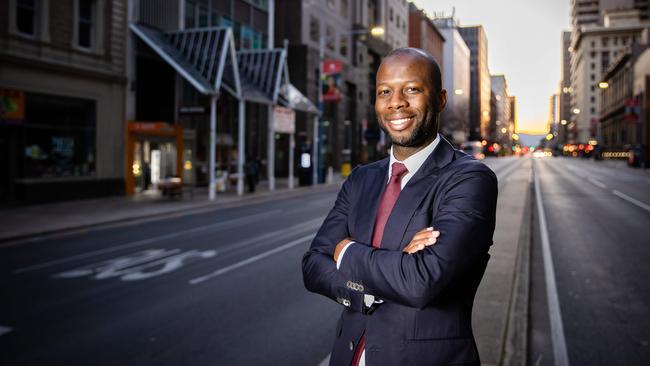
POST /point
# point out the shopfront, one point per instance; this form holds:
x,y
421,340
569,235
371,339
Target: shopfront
x,y
157,152
49,142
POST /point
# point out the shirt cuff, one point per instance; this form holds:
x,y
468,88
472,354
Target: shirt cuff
x,y
338,263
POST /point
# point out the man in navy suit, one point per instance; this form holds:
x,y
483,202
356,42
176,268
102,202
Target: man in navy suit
x,y
406,244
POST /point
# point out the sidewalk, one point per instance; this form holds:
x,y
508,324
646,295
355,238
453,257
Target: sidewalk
x,y
25,222
500,314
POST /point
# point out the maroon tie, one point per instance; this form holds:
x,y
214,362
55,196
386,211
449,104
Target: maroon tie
x,y
386,205
387,202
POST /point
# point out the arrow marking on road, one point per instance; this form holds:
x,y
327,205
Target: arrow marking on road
x,y
555,315
250,260
4,330
222,224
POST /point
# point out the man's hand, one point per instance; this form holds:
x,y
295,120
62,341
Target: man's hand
x,y
421,240
339,248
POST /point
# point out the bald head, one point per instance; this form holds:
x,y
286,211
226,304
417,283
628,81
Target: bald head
x,y
417,54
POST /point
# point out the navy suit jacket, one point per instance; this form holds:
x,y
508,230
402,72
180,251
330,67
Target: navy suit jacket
x,y
426,315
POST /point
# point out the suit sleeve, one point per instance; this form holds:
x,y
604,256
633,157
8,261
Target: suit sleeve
x,y
320,274
466,221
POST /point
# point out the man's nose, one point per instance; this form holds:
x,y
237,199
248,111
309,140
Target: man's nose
x,y
397,101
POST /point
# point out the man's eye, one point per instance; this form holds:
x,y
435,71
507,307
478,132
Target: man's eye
x,y
412,90
383,92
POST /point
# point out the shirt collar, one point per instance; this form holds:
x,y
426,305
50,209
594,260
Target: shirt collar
x,y
415,161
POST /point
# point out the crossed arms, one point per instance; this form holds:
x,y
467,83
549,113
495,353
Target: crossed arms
x,y
416,275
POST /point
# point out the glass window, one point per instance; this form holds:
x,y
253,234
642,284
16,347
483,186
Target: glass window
x,y
331,40
344,8
85,23
314,29
390,12
190,17
398,21
26,16
59,137
605,41
203,16
343,46
246,37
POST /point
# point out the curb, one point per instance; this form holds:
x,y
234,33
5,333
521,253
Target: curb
x,y
515,348
199,207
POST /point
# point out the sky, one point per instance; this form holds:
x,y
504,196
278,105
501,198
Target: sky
x,y
524,43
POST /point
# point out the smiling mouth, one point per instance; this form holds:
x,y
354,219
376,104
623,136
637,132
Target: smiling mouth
x,y
400,124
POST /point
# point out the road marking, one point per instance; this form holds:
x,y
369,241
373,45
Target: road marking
x,y
135,266
555,315
250,260
228,223
632,200
4,330
597,183
326,361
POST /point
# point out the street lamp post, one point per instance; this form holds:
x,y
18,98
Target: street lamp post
x,y
318,123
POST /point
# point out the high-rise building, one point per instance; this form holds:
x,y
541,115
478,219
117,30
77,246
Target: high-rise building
x,y
424,34
593,50
62,93
479,115
456,80
565,90
501,126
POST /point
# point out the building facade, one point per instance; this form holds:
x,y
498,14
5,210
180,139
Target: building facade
x,y
456,79
564,135
479,115
624,105
593,50
502,125
62,79
424,34
351,132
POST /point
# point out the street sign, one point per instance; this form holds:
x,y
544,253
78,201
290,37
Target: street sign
x,y
285,119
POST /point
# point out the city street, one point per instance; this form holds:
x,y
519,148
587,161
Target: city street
x,y
225,287
596,221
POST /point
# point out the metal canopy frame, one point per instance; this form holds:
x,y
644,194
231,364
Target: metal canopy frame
x,y
205,57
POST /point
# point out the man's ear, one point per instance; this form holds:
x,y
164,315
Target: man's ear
x,y
442,100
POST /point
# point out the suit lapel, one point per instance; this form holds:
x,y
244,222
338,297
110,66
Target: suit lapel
x,y
373,188
413,193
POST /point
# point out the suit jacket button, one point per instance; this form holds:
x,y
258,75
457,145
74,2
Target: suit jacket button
x,y
351,346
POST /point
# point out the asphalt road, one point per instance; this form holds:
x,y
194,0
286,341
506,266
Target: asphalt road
x,y
597,222
225,287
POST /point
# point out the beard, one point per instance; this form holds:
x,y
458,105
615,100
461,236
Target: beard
x,y
424,130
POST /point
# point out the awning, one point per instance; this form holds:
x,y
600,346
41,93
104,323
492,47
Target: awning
x,y
265,79
205,57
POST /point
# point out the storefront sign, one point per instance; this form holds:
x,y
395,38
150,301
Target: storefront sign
x,y
285,120
195,109
12,106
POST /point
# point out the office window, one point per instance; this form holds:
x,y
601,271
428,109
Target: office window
x,y
605,41
593,99
203,16
398,21
593,88
593,77
26,11
343,46
190,19
344,8
330,41
593,65
314,29
390,12
624,40
593,110
85,23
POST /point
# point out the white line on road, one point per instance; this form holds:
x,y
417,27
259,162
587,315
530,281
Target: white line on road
x,y
228,223
597,183
4,330
555,315
326,361
250,260
632,200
